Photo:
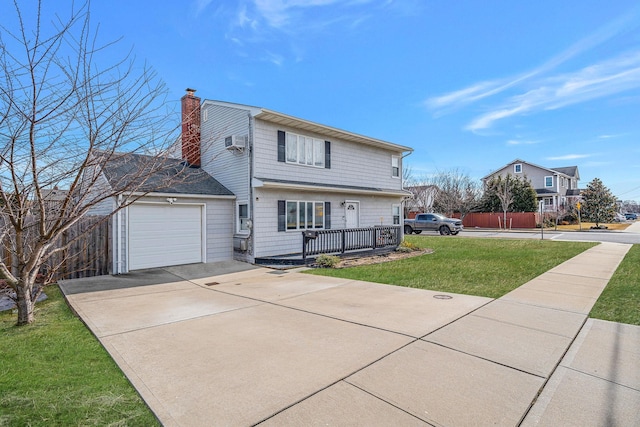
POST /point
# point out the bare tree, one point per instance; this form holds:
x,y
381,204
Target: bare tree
x,y
63,116
504,191
456,192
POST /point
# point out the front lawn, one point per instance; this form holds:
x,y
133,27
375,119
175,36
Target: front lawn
x,y
55,373
620,300
471,266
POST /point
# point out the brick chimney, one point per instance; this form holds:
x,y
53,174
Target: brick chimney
x,y
191,128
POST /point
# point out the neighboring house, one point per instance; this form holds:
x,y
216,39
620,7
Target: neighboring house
x,y
556,187
275,176
291,174
182,216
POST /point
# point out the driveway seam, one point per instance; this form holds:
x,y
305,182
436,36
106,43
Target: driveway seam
x,y
345,380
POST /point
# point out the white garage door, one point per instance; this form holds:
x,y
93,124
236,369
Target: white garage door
x,y
163,235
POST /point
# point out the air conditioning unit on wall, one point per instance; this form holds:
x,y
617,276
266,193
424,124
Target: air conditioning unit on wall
x,y
236,142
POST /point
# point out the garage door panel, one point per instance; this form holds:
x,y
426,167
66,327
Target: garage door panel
x,y
163,235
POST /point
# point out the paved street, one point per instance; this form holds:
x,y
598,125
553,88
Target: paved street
x,y
629,236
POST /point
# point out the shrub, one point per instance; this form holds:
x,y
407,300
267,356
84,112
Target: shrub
x,y
327,261
407,246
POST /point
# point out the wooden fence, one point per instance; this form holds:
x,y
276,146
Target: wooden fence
x,y
88,253
496,220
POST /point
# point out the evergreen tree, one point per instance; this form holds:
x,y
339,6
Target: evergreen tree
x,y
522,195
599,204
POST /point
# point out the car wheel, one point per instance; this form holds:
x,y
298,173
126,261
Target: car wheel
x,y
444,230
407,229
418,231
453,233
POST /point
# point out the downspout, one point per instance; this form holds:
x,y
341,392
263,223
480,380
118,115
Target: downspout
x,y
250,183
118,266
402,175
404,198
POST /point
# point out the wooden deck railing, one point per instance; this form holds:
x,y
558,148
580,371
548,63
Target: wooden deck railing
x,y
316,242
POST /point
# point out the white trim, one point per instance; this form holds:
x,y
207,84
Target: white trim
x,y
308,187
313,219
180,195
515,168
237,215
320,142
393,206
545,181
397,158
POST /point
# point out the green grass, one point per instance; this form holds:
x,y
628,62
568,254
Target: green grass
x,y
471,266
55,373
620,300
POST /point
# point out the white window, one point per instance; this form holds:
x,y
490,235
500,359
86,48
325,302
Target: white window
x,y
304,150
395,166
395,213
548,181
243,217
548,201
304,215
517,168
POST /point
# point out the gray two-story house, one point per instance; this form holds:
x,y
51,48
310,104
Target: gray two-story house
x,y
556,187
243,183
289,174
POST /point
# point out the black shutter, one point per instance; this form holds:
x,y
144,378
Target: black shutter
x,y
327,215
327,154
281,146
282,215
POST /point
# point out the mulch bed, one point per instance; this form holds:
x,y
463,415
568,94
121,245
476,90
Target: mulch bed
x,y
380,258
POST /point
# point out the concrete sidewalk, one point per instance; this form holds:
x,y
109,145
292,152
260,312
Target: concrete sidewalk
x,y
278,348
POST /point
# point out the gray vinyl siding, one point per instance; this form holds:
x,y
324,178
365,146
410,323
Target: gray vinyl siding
x,y
230,167
533,174
268,241
351,164
103,208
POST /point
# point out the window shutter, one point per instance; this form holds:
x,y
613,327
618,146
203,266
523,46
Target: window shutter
x,y
282,215
327,154
327,215
281,146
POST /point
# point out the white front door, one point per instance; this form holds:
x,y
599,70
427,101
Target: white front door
x,y
352,214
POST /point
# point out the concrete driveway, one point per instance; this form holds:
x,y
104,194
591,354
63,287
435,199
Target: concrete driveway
x,y
231,344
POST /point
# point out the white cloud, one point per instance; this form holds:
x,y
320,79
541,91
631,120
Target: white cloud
x,y
275,58
606,78
521,142
534,92
201,5
570,157
277,13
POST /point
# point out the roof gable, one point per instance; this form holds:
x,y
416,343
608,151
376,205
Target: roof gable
x,y
570,171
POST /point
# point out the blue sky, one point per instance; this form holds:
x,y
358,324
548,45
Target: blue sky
x,y
470,85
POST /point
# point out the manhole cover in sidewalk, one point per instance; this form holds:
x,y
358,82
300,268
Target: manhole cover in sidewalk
x,y
442,296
